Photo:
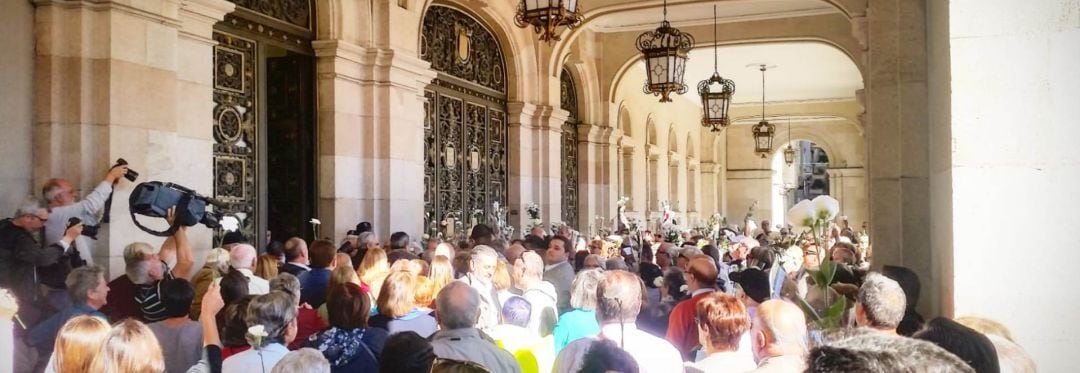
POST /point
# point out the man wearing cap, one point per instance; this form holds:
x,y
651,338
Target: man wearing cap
x,y
682,331
752,289
232,239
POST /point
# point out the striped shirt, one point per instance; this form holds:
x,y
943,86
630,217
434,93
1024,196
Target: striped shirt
x,y
148,296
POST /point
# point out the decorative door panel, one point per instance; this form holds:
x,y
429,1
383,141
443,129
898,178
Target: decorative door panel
x,y
568,102
235,122
465,153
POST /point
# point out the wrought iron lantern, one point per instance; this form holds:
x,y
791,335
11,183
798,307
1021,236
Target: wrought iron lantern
x,y
763,131
789,152
665,50
546,16
715,92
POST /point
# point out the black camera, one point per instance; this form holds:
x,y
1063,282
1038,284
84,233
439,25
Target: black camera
x,y
155,198
131,175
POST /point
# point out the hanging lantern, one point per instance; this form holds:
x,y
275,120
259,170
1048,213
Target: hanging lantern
x,y
763,137
789,155
715,92
546,16
763,131
665,51
789,152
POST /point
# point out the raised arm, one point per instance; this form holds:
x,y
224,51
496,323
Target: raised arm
x,y
184,259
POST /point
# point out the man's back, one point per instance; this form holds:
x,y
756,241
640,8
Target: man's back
x,y
469,345
313,285
653,355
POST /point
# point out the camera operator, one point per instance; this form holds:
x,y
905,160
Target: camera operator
x,y
21,253
60,195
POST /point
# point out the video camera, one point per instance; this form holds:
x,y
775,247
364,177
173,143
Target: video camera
x,y
155,198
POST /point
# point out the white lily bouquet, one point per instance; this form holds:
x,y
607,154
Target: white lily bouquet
x,y
815,216
534,216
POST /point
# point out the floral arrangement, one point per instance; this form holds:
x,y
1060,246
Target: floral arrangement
x,y
814,217
534,216
228,224
499,216
315,223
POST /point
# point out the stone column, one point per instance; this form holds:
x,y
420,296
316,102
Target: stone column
x,y
629,179
132,80
370,118
655,186
595,162
710,187
896,138
693,201
535,135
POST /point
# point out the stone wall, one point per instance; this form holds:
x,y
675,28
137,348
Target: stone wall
x,y
16,103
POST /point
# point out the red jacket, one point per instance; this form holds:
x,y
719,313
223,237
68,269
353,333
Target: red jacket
x,y
682,331
308,322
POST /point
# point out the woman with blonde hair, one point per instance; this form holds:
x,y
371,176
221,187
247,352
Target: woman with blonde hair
x,y
130,347
397,307
425,294
77,343
373,270
341,274
267,267
440,273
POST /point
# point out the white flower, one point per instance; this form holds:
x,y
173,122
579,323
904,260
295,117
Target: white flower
x,y
826,208
801,216
257,331
658,282
229,224
315,221
684,288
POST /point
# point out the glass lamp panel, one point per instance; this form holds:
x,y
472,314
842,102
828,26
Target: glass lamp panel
x,y
658,70
570,5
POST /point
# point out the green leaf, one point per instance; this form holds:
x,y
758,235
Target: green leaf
x,y
828,269
808,310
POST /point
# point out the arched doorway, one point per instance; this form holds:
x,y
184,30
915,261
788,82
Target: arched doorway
x,y
264,118
465,150
806,178
568,101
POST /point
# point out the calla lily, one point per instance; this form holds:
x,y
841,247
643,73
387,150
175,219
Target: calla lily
x,y
315,221
230,224
826,208
802,215
257,331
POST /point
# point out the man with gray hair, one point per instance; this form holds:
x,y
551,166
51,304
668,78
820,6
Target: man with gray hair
x,y
60,195
21,252
276,313
457,309
880,304
88,291
481,271
541,294
137,294
304,360
778,337
243,258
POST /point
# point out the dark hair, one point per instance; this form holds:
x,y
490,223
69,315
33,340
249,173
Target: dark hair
x,y
565,241
972,347
712,252
605,356
348,307
761,257
406,352
647,253
649,272
399,241
754,282
847,251
908,280
482,234
234,328
535,243
275,248
674,281
176,296
516,311
322,253
363,227
234,285
579,259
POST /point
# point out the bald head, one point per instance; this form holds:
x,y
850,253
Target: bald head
x,y
779,328
242,256
457,306
514,252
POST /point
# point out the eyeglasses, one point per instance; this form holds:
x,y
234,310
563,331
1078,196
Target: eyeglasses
x,y
38,218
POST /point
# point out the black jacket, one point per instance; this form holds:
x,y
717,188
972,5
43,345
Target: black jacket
x,y
20,254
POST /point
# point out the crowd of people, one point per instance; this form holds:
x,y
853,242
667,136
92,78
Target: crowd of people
x,y
543,303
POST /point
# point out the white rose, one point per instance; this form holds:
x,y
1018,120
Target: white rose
x,y
659,281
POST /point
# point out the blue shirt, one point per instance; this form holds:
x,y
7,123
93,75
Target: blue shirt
x,y
313,285
575,325
43,336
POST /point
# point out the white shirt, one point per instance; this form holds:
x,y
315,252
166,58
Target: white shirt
x,y
722,362
255,360
653,354
87,210
256,285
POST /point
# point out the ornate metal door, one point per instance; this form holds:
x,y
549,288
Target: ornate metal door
x,y
568,102
235,121
465,150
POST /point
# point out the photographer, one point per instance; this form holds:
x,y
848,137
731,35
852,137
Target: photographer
x,y
21,252
60,195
